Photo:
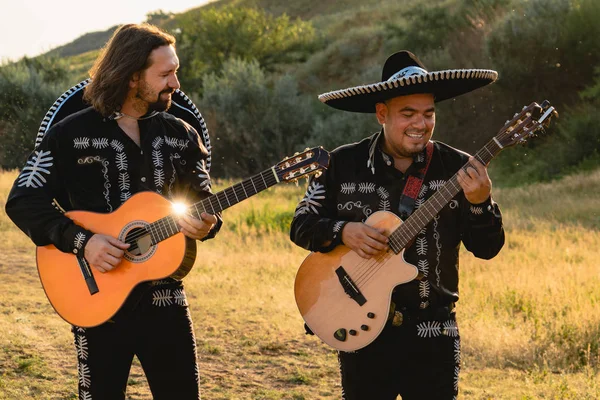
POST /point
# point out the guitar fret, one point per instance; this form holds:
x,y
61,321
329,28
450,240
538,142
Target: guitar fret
x,y
236,197
252,181
263,178
227,197
218,201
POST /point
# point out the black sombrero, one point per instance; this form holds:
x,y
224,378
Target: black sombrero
x,y
403,74
71,101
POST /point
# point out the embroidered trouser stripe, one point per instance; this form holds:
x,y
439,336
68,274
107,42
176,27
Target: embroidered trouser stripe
x,y
161,337
404,361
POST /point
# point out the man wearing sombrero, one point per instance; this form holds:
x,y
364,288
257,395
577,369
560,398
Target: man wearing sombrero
x,y
417,355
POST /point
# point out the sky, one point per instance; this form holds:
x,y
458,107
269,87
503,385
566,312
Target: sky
x,y
32,27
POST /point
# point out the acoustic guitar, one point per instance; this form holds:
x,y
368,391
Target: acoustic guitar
x,y
85,297
345,299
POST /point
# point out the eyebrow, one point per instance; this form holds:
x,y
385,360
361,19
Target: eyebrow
x,y
411,109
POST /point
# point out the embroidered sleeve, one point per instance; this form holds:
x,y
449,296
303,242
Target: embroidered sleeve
x,y
33,203
483,233
314,225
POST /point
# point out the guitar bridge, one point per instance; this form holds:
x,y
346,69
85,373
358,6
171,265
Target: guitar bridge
x,y
349,286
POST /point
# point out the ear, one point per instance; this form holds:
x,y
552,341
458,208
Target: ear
x,y
381,111
135,78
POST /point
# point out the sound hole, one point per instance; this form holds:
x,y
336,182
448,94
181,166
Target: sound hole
x,y
140,240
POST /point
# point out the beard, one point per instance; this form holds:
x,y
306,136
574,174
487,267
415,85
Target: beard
x,y
154,102
160,104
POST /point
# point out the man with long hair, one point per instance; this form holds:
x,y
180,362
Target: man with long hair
x,y
96,159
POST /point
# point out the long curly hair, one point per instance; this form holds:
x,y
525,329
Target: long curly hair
x,y
126,53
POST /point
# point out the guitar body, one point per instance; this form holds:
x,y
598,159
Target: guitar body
x,y
330,312
61,274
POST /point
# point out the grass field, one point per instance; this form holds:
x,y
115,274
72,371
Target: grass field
x,y
529,319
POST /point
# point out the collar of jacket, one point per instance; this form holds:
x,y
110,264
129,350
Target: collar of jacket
x,y
375,147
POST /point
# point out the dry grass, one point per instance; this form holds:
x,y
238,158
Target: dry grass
x,y
530,318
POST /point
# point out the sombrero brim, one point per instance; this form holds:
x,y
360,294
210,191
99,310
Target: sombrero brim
x,y
442,84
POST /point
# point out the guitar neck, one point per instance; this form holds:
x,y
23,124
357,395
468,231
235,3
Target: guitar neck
x,y
419,219
166,227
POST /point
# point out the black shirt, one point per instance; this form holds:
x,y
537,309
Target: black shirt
x,y
86,162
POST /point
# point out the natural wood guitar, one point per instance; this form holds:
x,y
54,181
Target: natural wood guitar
x,y
85,297
345,299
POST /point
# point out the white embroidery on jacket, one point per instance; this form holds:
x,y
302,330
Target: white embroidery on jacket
x,y
366,187
310,202
32,174
100,143
81,143
347,188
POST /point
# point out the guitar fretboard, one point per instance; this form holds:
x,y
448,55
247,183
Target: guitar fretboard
x,y
427,212
166,227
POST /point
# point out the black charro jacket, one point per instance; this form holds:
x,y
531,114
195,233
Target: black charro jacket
x,y
361,180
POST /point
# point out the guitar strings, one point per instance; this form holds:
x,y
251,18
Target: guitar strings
x,y
158,227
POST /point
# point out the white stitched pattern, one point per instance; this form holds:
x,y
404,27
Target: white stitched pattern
x,y
121,160
180,144
100,143
85,395
384,205
157,142
423,266
348,188
31,176
429,329
79,238
476,210
421,246
157,159
309,203
384,194
450,328
81,347
81,143
337,226
162,298
179,297
366,187
124,196
457,351
435,185
159,179
124,183
118,146
424,288
83,371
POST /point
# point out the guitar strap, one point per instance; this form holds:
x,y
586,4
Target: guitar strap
x,y
413,185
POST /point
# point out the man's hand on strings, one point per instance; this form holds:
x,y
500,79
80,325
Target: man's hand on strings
x,y
104,252
366,241
475,182
195,228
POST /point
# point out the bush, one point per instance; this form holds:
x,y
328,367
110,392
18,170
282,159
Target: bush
x,y
27,89
255,122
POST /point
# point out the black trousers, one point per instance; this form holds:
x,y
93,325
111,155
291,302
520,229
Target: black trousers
x,y
158,330
419,360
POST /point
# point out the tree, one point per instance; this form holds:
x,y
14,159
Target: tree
x,y
210,37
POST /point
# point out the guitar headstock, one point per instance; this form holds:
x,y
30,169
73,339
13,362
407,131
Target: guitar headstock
x,y
525,124
310,161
